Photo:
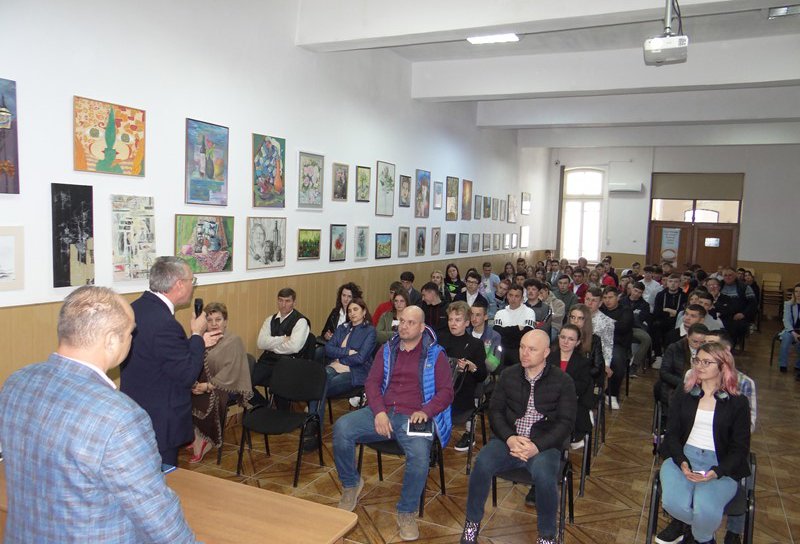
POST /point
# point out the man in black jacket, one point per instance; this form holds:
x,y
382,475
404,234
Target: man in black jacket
x,y
623,336
434,308
668,304
532,413
641,325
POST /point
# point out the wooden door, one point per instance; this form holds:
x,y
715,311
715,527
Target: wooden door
x,y
715,245
663,236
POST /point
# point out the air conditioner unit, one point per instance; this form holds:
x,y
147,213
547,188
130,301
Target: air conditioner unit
x,y
625,187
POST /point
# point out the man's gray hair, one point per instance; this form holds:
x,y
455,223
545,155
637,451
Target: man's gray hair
x,y
166,272
89,313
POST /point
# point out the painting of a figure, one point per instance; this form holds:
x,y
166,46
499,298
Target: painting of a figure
x,y
205,242
436,240
451,202
341,178
463,243
362,243
9,159
420,246
422,195
438,190
487,207
269,158
487,241
133,231
466,199
108,138
311,178
308,243
206,163
363,178
403,234
73,235
404,200
384,189
266,242
12,259
338,250
383,245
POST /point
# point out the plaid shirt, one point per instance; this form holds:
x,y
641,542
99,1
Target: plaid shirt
x,y
81,462
532,415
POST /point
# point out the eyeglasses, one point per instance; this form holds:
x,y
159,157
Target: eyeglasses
x,y
194,280
703,363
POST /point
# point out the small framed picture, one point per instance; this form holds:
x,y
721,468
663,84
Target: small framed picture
x,y
362,243
404,200
526,204
383,245
476,243
384,189
363,180
496,241
311,178
495,208
463,243
524,236
308,244
487,241
420,242
341,176
436,240
478,207
338,243
487,207
438,195
503,210
506,241
403,234
450,243
514,240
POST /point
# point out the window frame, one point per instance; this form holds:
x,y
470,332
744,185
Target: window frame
x,y
564,198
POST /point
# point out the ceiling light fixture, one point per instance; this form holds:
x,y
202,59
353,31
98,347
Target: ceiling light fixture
x,y
784,11
494,38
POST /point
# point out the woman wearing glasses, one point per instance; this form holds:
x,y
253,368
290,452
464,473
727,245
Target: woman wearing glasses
x,y
707,446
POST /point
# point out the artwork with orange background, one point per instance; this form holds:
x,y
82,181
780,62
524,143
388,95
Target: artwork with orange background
x,y
108,138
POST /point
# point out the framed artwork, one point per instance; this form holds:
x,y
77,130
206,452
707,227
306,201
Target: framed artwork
x,y
362,243
384,189
9,158
341,177
338,243
514,240
487,241
266,242
205,242
107,138
422,194
12,258
450,243
206,163
133,235
269,181
506,241
496,241
420,245
404,200
513,208
436,240
525,208
403,234
502,210
463,243
363,178
311,178
438,197
308,244
478,206
73,235
383,245
451,212
495,208
466,199
476,243
487,207
524,236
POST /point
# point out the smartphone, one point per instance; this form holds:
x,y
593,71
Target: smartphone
x,y
424,428
700,472
198,306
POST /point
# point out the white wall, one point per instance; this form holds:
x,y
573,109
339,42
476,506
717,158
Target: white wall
x,y
234,65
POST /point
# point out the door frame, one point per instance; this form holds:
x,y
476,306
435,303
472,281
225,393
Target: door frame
x,y
734,227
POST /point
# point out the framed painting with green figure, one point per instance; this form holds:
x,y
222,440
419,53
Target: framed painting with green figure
x,y
108,138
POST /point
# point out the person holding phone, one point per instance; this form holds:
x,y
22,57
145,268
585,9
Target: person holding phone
x,y
707,446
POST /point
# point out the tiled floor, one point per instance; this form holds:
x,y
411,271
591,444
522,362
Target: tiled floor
x,y
614,508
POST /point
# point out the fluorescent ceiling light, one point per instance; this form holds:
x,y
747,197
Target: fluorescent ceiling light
x,y
495,38
784,11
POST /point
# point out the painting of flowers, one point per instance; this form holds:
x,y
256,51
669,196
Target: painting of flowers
x,y
311,180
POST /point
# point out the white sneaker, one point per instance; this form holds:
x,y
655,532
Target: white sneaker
x,y
591,417
576,445
614,403
355,402
657,363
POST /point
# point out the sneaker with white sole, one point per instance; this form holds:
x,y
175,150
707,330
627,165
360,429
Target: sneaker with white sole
x,y
673,533
657,363
614,403
464,442
350,495
576,445
355,402
407,521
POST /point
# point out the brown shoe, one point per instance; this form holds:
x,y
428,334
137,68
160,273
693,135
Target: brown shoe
x,y
350,495
408,525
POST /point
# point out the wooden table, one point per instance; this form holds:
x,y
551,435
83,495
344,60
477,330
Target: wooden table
x,y
221,511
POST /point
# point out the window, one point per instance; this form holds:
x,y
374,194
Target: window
x,y
582,203
695,211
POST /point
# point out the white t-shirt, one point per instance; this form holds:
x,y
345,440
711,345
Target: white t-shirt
x,y
523,316
702,435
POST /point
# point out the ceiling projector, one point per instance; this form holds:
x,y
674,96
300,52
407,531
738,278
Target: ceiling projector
x,y
665,50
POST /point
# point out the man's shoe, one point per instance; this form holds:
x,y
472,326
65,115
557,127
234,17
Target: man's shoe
x,y
464,442
576,445
733,538
673,533
310,444
350,495
657,363
407,521
530,498
614,403
470,533
546,540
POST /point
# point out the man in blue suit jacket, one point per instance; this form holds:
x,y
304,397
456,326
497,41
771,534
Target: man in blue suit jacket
x,y
164,364
84,467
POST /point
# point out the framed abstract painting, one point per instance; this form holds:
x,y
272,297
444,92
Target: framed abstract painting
x,y
420,242
9,125
341,177
403,235
436,240
450,243
311,180
108,138
422,194
133,231
451,202
12,258
362,243
73,235
466,199
478,207
476,243
338,250
269,181
438,190
206,163
383,245
308,244
463,243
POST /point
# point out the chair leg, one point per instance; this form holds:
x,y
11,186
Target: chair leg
x,y
570,495
587,452
319,443
483,427
360,456
471,441
241,452
440,462
380,466
266,444
422,501
652,518
562,510
299,458
330,411
494,491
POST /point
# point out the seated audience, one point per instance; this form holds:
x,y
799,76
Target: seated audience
x,y
590,346
668,303
438,278
641,325
593,279
386,305
567,355
541,310
508,272
489,280
791,332
553,272
489,337
521,265
694,313
452,282
399,390
603,327
433,308
742,307
407,279
703,298
564,293
519,279
225,372
623,337
387,324
471,295
512,323
532,414
338,315
579,285
651,287
677,360
557,309
498,301
751,282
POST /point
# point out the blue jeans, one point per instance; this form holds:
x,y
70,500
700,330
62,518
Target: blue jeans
x,y
495,457
699,505
786,345
359,428
335,384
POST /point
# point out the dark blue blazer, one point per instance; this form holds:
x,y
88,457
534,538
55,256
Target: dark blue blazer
x,y
160,370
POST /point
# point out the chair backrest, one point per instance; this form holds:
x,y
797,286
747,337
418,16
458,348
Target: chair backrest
x,y
298,379
772,277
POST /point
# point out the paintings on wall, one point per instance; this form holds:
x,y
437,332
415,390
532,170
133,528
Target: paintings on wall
x,y
436,240
495,208
12,258
422,194
451,212
206,163
311,180
308,244
404,200
525,208
463,243
438,197
363,178
362,243
478,206
420,239
487,207
466,199
513,208
73,235
341,180
487,241
133,235
496,240
506,241
450,243
108,138
338,251
266,242
502,210
9,158
524,236
476,243
205,242
384,189
269,182
513,240
383,245
403,235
